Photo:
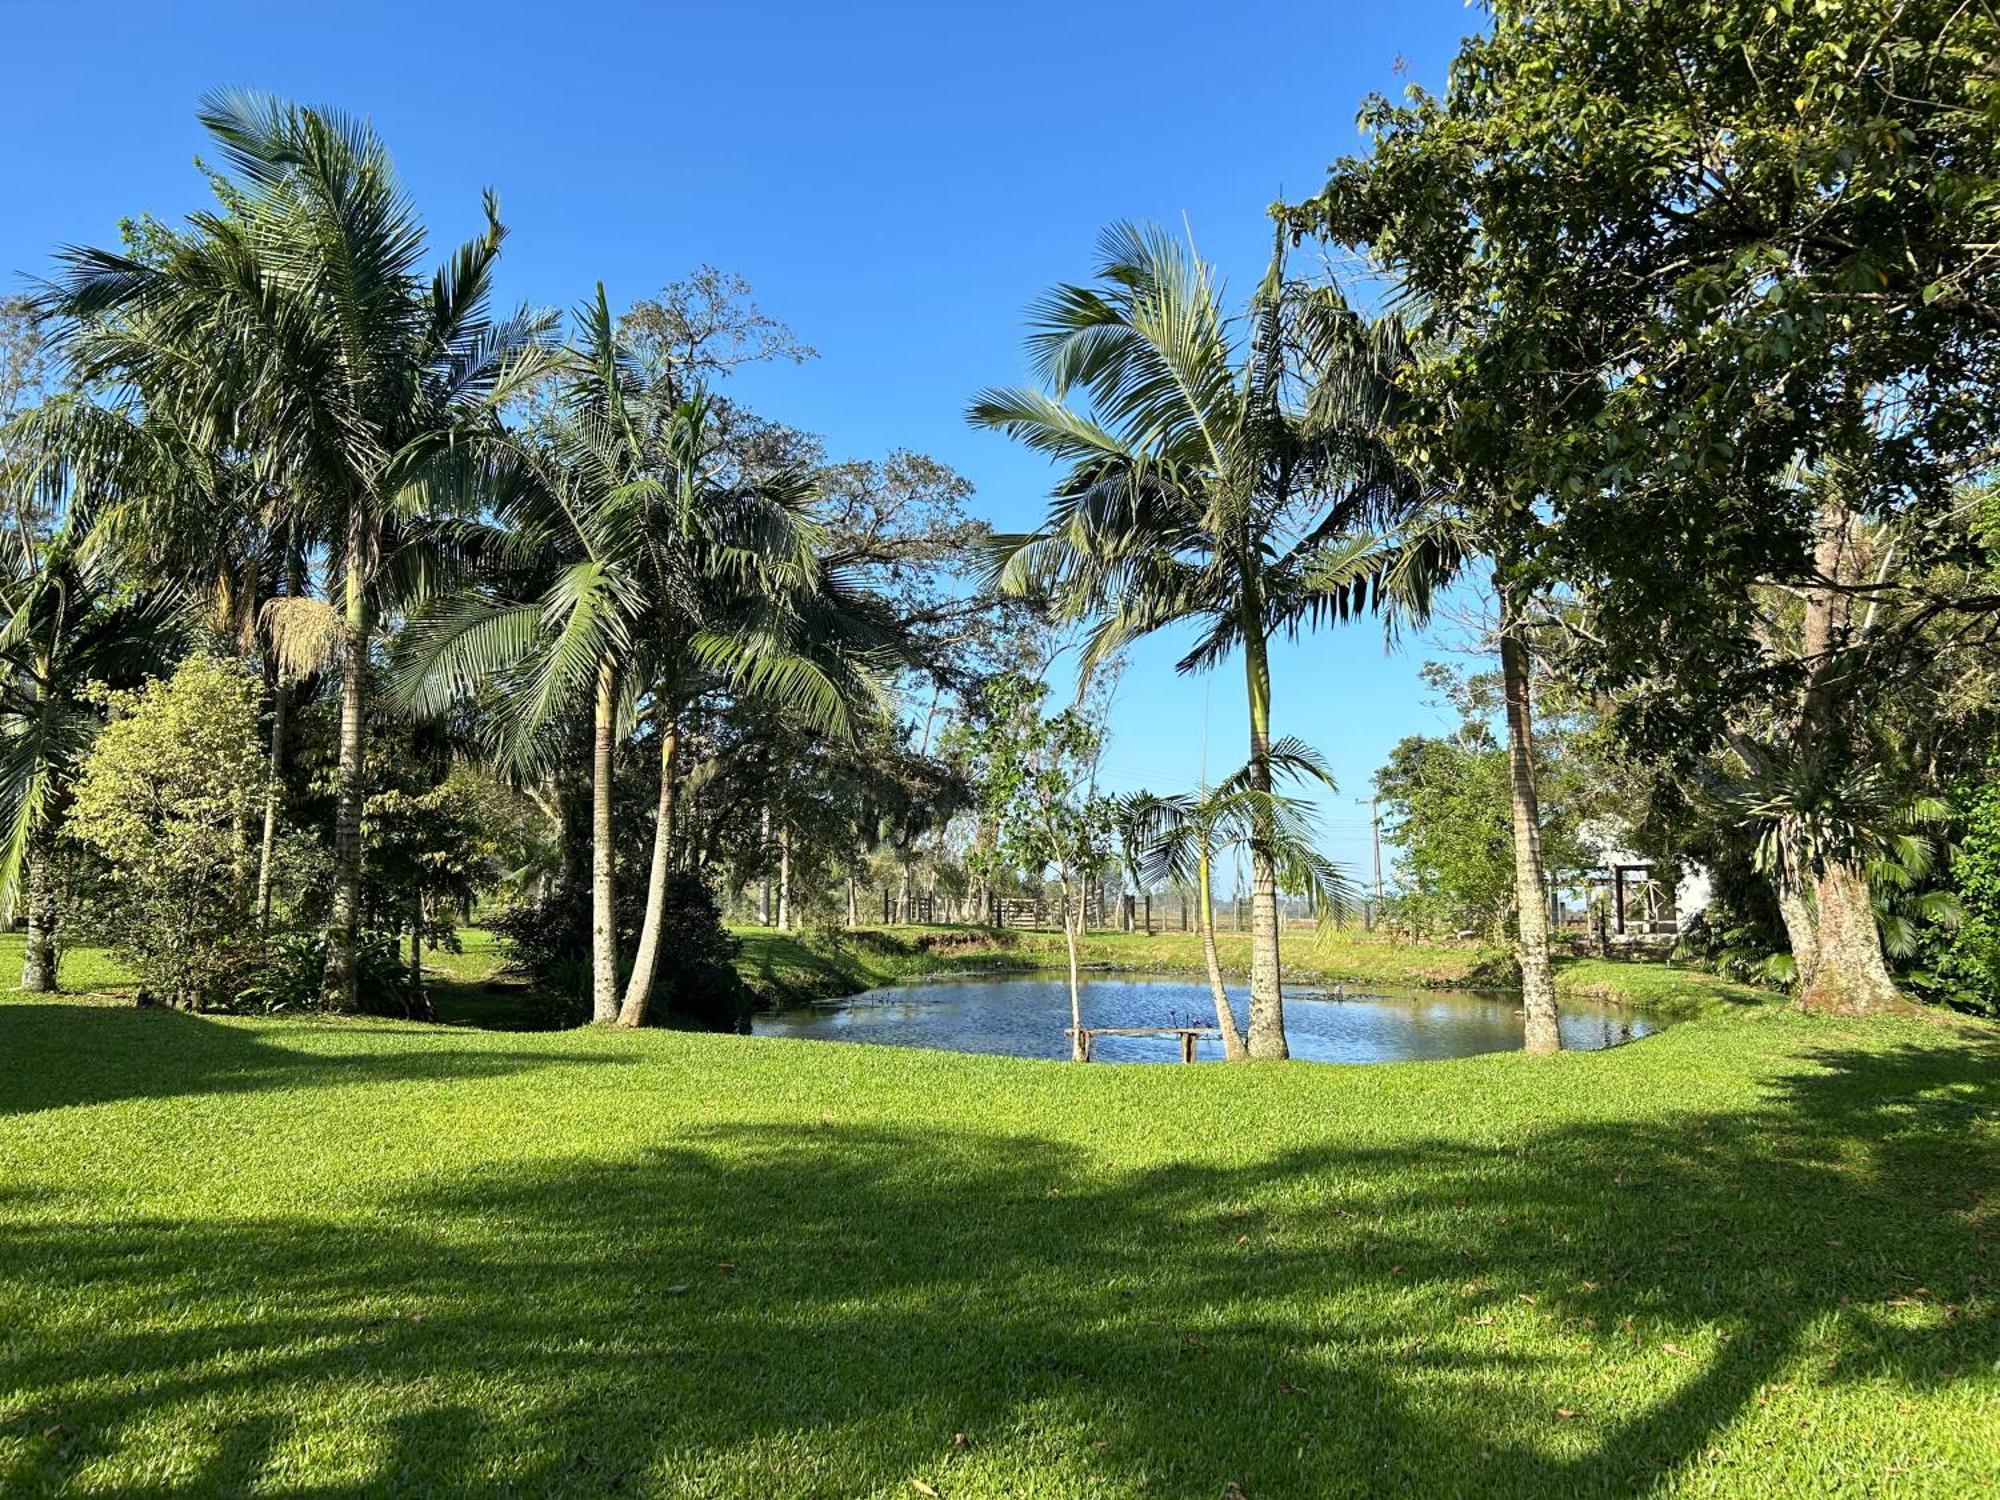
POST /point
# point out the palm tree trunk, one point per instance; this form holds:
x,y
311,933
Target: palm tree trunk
x,y
785,876
1267,999
339,986
1233,1049
646,960
764,853
38,957
603,856
1531,917
280,704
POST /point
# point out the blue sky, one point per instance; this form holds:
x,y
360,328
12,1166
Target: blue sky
x,y
897,182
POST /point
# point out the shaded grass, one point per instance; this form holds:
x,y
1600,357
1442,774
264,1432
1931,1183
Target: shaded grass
x,y
1750,1256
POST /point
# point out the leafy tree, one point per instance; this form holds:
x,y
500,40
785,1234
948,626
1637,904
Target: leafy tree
x,y
428,855
1703,287
164,804
1964,965
1222,474
1036,778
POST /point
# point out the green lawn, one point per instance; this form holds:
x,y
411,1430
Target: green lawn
x,y
1750,1256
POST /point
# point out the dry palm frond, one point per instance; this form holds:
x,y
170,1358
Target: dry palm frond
x,y
306,635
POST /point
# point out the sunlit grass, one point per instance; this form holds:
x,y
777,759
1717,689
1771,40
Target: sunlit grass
x,y
1750,1256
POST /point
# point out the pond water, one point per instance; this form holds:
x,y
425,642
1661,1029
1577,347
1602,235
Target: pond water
x,y
1025,1016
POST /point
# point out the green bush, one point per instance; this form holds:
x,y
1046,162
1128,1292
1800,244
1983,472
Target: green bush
x,y
165,816
548,943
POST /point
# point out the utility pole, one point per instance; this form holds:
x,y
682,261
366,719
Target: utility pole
x,y
1375,828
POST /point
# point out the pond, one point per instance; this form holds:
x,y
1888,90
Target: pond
x,y
1025,1016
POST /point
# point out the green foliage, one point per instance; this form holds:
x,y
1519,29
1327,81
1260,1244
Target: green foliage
x,y
547,941
1036,779
164,807
1964,956
1446,809
428,855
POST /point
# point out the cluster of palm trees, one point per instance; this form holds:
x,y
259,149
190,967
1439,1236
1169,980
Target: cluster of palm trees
x,y
280,422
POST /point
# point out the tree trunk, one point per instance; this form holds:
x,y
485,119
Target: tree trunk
x,y
1233,1048
1845,969
785,877
1851,976
646,961
763,854
603,855
1072,919
280,703
1267,999
1800,931
417,945
1538,985
339,987
853,904
38,957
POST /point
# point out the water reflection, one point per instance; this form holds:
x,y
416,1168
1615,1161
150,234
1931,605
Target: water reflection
x,y
1024,1016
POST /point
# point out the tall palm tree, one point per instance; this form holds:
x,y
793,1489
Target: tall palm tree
x,y
1225,473
372,391
1181,837
643,573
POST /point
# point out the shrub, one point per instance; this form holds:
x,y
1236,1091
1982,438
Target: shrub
x,y
548,943
163,814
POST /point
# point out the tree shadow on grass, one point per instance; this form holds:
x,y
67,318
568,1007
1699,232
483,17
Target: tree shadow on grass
x,y
835,1310
56,1054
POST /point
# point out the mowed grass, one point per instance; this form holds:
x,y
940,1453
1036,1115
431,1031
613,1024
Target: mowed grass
x,y
1753,1255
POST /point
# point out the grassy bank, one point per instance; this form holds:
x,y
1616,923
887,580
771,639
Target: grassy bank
x,y
791,968
795,968
1751,1256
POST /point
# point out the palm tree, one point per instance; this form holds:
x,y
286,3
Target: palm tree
x,y
644,573
366,390
1223,474
64,626
1181,837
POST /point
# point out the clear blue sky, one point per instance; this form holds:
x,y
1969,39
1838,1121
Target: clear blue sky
x,y
897,182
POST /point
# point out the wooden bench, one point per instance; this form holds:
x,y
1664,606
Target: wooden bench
x,y
1189,1035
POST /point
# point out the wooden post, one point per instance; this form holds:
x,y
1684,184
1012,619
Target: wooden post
x,y
885,906
1149,914
1187,1046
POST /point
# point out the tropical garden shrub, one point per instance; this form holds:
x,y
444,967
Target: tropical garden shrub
x,y
548,942
162,812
